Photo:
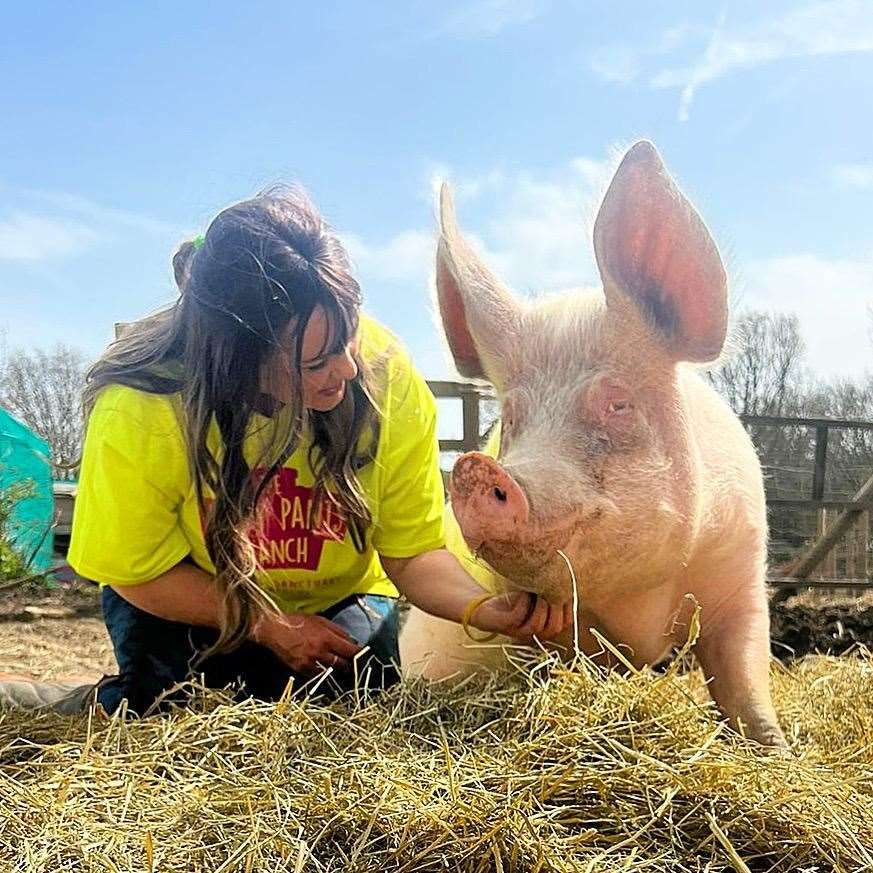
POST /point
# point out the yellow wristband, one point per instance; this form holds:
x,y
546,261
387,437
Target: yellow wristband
x,y
471,607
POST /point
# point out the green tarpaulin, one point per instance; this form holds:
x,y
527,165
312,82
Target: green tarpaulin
x,y
24,457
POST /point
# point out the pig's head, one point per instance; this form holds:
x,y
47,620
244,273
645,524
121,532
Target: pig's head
x,y
595,458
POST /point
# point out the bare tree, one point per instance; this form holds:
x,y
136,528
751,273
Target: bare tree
x,y
765,375
44,390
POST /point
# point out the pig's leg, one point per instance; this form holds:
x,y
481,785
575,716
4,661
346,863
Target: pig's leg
x,y
434,648
734,652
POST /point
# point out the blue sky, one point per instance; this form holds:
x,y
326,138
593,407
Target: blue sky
x,y
127,126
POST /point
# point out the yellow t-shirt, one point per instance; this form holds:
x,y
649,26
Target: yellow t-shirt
x,y
136,513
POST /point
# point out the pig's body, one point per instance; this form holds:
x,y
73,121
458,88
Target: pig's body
x,y
613,451
704,535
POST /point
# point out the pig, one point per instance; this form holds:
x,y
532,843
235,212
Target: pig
x,y
613,450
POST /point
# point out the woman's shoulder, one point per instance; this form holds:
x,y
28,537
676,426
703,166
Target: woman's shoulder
x,y
377,341
394,378
123,407
399,387
385,353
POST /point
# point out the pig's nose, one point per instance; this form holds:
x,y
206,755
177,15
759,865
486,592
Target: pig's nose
x,y
486,500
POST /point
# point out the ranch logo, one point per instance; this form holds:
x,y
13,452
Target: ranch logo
x,y
287,537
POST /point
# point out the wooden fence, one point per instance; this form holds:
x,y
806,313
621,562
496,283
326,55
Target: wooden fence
x,y
470,397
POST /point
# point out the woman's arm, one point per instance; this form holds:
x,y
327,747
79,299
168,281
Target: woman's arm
x,y
436,582
187,594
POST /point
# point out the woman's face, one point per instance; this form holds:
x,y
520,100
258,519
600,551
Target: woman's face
x,y
324,369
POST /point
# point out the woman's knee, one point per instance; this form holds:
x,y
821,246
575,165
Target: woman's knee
x,y
371,620
153,654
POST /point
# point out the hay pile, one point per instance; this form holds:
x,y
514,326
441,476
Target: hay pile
x,y
564,771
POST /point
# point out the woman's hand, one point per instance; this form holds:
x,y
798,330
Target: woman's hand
x,y
306,643
436,582
523,615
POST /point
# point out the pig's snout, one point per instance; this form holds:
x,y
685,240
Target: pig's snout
x,y
488,503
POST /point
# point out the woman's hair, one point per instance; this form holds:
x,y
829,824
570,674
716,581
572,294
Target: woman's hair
x,y
248,290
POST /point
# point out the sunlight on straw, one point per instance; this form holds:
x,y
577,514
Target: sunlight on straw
x,y
540,767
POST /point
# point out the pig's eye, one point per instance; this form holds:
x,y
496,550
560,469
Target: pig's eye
x,y
619,407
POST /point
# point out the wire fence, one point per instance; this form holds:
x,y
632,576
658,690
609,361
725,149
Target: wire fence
x,y
813,471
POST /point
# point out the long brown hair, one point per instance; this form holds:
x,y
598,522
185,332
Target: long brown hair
x,y
262,269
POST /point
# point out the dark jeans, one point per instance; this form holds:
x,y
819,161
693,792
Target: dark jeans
x,y
154,655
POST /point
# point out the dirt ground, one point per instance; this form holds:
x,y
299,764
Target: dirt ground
x,y
54,633
830,623
58,633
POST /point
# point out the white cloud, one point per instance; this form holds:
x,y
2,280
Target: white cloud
x,y
537,236
406,257
616,62
464,189
535,233
831,298
825,27
822,27
853,175
675,36
28,237
98,214
622,62
592,172
48,225
476,19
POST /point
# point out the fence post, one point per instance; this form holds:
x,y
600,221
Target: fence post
x,y
821,458
818,483
865,543
470,411
851,541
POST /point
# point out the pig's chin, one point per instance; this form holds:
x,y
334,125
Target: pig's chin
x,y
528,559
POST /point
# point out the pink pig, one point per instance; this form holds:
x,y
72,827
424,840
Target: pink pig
x,y
612,450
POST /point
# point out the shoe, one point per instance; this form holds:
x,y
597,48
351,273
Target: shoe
x,y
60,697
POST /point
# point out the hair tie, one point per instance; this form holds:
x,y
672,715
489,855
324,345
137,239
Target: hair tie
x,y
198,242
471,607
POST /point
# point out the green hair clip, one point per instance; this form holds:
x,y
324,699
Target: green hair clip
x,y
198,241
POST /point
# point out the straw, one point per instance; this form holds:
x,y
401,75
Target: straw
x,y
548,769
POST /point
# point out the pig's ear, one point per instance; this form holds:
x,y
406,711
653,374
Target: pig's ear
x,y
653,247
480,317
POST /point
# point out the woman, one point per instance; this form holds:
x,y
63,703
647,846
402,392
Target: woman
x,y
260,476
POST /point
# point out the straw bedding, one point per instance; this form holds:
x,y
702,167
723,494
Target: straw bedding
x,y
544,769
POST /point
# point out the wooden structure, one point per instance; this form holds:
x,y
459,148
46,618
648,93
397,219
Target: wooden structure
x,y
64,494
854,563
470,396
